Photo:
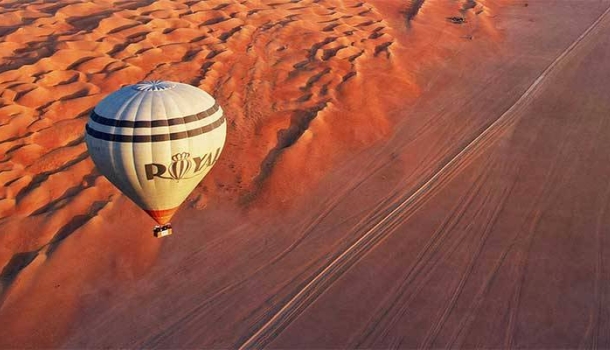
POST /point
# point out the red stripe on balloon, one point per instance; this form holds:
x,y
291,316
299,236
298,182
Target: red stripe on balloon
x,y
162,216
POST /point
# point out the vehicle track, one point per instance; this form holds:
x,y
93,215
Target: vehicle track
x,y
368,240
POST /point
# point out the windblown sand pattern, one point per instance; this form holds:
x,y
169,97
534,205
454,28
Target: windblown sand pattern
x,y
303,83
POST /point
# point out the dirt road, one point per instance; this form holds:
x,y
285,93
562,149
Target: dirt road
x,y
518,261
398,214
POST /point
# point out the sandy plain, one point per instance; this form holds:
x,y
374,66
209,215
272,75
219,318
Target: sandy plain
x,y
391,179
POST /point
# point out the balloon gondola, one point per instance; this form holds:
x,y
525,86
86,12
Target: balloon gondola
x,y
163,230
155,141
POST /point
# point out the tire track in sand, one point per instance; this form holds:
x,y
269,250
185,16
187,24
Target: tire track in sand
x,y
317,284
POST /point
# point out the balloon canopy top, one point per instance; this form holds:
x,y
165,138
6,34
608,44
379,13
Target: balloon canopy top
x,y
154,85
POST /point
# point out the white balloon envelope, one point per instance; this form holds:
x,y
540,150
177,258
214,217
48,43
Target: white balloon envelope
x,y
155,141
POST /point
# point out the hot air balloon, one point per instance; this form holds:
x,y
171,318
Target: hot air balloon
x,y
155,141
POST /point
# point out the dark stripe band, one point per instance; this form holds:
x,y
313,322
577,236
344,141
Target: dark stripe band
x,y
154,138
153,123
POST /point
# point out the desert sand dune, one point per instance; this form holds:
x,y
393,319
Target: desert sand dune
x,y
284,70
338,111
63,58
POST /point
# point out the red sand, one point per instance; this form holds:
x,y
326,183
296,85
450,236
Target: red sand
x,y
339,112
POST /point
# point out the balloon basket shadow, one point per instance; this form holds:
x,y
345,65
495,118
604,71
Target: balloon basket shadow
x,y
162,231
